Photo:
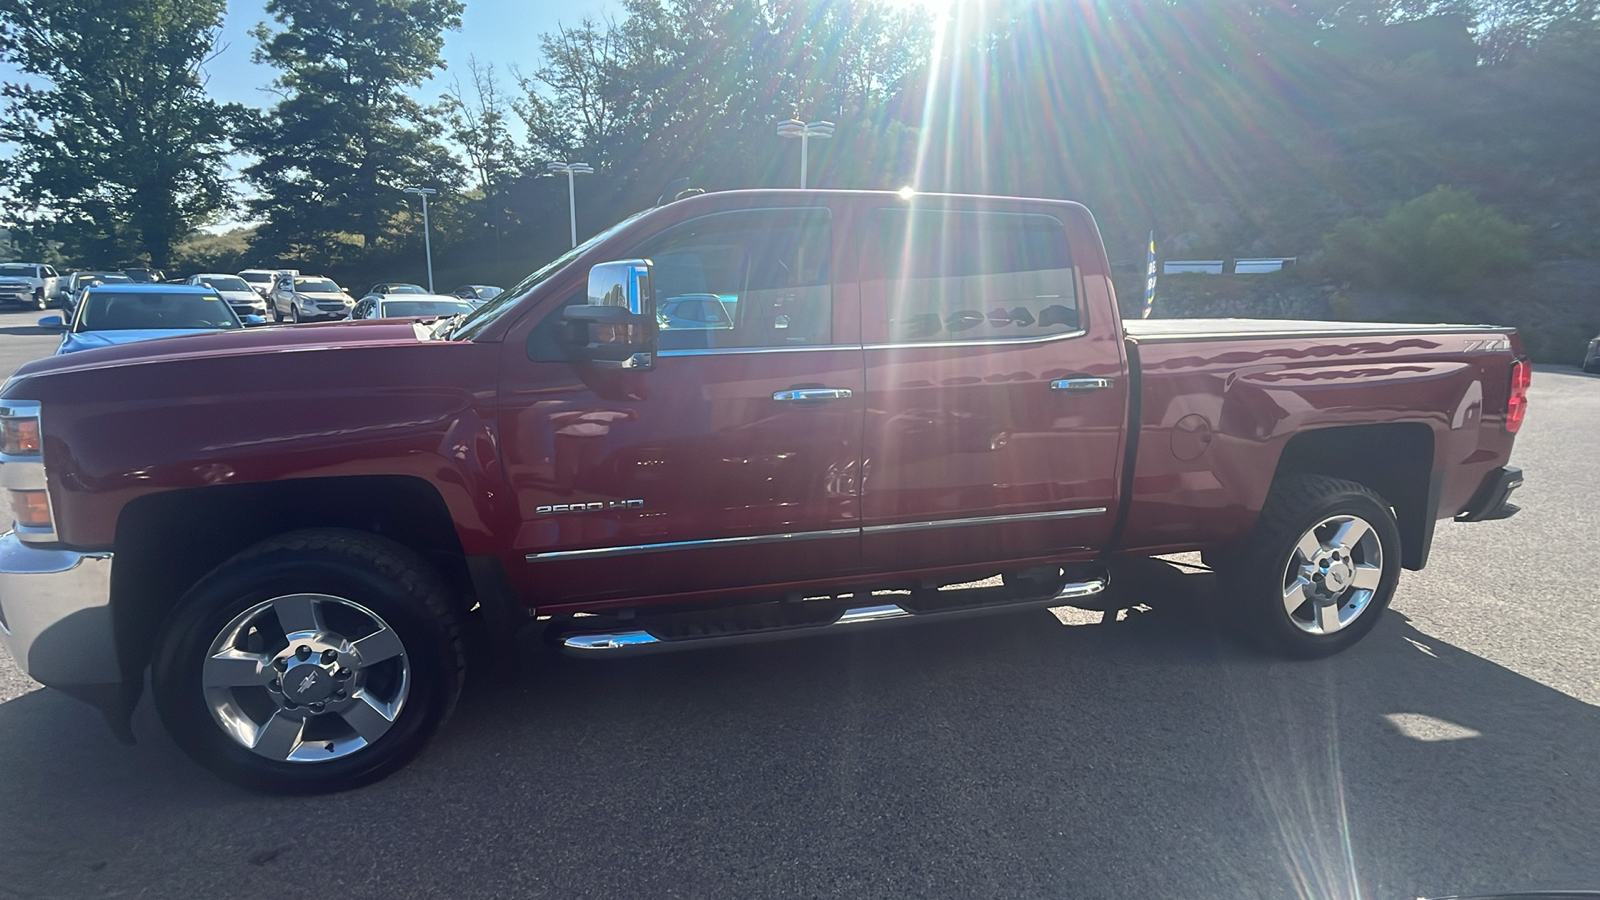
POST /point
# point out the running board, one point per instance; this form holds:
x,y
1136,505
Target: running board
x,y
642,643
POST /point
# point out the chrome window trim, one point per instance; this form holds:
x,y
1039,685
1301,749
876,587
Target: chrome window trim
x,y
991,342
748,540
12,409
985,520
736,351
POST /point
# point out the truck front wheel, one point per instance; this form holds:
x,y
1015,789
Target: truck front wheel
x,y
1318,569
313,662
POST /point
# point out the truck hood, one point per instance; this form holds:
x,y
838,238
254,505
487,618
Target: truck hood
x,y
92,340
162,346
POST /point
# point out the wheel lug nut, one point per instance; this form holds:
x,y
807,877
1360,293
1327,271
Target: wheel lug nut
x,y
302,651
329,656
317,706
280,664
342,673
275,686
339,693
290,704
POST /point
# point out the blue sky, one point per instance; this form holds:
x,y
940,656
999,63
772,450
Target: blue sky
x,y
499,31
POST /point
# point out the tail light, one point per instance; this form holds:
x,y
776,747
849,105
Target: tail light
x,y
1517,405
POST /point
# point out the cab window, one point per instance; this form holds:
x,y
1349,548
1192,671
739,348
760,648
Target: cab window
x,y
744,279
948,275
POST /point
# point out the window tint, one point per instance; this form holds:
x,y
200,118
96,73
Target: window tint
x,y
952,276
751,278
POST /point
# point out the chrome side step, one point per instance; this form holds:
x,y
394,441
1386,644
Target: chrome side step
x,y
642,643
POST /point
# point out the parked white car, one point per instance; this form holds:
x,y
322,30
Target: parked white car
x,y
235,290
260,280
30,284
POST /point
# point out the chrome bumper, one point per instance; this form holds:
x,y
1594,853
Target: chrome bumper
x,y
55,615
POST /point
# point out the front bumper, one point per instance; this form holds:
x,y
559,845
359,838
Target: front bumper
x,y
55,617
1493,500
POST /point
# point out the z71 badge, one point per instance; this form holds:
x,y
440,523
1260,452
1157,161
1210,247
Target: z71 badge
x,y
561,509
1492,345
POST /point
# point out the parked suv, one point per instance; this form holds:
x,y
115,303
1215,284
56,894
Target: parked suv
x,y
31,284
308,298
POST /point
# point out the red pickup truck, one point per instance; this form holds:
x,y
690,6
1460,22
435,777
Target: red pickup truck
x,y
738,416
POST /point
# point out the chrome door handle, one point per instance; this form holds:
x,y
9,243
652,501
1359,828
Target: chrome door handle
x,y
1081,384
802,395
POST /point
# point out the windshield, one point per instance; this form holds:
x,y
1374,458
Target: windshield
x,y
107,278
128,311
256,277
225,282
397,308
315,286
17,271
480,318
399,289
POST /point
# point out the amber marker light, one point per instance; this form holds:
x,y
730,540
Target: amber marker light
x,y
31,508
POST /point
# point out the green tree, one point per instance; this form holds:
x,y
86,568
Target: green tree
x,y
1442,241
119,152
345,138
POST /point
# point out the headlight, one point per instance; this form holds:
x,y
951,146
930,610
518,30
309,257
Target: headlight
x,y
19,436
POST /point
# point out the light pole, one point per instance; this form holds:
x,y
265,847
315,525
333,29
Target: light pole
x,y
805,131
572,190
427,240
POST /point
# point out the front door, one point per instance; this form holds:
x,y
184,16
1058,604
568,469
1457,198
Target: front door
x,y
994,422
730,464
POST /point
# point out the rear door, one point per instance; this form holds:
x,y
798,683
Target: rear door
x,y
994,422
732,462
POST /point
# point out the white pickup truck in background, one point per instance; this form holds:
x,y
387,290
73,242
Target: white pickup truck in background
x,y
31,284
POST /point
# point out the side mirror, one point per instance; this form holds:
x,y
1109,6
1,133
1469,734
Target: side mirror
x,y
255,320
617,327
53,322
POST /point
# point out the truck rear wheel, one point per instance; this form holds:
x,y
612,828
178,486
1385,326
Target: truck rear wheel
x,y
1317,571
317,661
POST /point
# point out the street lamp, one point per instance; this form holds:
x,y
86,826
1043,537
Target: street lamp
x,y
805,131
572,190
427,240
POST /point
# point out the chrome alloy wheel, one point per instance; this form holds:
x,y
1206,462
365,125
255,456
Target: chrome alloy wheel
x,y
1333,575
306,678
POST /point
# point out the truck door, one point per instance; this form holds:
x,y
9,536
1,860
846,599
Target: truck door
x,y
733,461
995,421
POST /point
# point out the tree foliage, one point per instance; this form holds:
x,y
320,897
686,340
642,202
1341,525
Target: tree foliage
x,y
118,150
335,152
1443,240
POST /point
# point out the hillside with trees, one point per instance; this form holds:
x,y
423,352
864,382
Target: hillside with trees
x,y
1317,129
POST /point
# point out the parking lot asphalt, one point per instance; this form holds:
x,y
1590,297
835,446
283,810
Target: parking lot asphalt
x,y
1455,750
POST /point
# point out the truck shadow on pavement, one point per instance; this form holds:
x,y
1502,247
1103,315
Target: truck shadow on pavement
x,y
1149,755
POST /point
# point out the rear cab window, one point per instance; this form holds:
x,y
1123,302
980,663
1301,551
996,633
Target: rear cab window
x,y
942,275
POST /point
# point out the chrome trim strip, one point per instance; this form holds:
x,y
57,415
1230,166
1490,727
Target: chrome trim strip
x,y
985,520
740,351
993,342
600,552
639,643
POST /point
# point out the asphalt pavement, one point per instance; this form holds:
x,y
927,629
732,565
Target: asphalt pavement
x,y
1455,750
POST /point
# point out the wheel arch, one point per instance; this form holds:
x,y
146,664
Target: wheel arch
x,y
166,542
1395,459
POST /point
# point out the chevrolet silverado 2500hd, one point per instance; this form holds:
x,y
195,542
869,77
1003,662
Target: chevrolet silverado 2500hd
x,y
288,527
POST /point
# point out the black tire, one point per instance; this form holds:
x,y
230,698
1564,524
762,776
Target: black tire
x,y
385,579
294,314
276,315
1256,577
39,301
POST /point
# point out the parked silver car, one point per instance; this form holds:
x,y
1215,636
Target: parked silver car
x,y
308,298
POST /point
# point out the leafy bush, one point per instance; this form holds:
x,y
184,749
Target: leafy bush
x,y
1443,240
